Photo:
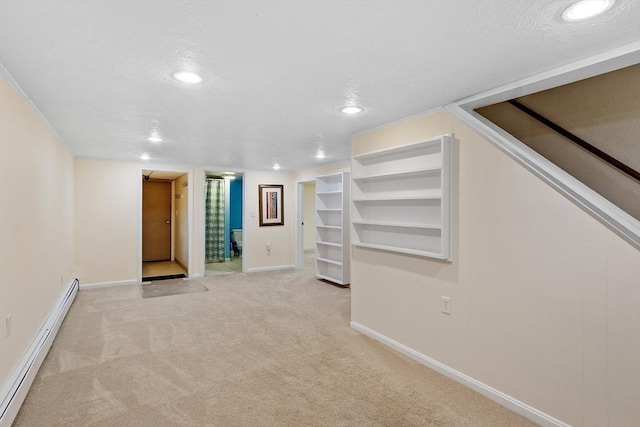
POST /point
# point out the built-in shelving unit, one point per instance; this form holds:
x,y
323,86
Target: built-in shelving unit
x,y
401,199
332,228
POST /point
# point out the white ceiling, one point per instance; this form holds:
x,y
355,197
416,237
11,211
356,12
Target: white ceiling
x,y
275,73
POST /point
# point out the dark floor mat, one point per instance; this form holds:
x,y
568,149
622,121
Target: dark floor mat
x,y
156,278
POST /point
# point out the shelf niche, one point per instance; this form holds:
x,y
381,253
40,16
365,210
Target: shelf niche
x,y
401,199
332,228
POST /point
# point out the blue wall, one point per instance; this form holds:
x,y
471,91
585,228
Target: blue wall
x,y
235,215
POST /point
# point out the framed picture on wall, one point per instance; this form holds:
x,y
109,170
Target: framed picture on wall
x,y
270,202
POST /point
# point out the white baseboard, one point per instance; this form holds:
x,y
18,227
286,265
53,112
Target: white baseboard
x,y
17,388
108,284
272,268
496,395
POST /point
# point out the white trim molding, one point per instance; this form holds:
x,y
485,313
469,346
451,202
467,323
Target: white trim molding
x,y
109,284
272,268
497,396
16,391
615,218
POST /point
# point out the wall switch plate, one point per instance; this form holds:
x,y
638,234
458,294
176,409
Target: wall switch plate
x,y
8,325
446,305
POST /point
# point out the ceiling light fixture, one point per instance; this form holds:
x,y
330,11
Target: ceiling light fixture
x,y
352,109
276,167
144,156
320,155
155,137
585,9
187,77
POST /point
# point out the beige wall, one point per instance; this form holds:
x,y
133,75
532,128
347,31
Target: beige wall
x,y
181,212
309,215
36,225
106,220
255,237
311,174
603,110
545,299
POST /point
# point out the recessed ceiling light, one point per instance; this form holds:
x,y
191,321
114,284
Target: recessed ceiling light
x,y
144,156
276,166
187,77
155,137
585,9
320,155
351,110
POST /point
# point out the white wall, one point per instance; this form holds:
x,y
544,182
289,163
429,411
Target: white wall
x,y
106,225
36,225
311,174
309,215
106,221
545,299
254,237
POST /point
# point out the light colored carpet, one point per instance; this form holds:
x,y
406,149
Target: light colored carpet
x,y
164,288
272,348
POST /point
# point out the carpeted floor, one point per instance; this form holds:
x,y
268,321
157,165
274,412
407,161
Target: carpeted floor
x,y
271,348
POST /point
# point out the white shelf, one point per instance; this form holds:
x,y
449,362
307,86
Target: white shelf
x,y
332,230
329,261
392,198
400,174
337,245
401,199
385,153
399,224
401,250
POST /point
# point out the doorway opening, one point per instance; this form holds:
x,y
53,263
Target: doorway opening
x,y
165,225
305,248
223,223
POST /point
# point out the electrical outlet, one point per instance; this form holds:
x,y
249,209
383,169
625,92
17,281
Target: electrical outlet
x,y
446,305
7,325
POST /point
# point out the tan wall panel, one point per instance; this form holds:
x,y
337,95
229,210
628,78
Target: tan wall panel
x,y
36,225
106,220
309,215
545,299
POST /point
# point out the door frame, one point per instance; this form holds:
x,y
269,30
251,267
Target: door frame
x,y
199,216
299,233
190,211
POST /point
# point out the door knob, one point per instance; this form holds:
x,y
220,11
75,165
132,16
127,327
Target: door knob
x,y
168,222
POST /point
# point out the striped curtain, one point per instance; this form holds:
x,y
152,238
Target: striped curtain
x,y
214,220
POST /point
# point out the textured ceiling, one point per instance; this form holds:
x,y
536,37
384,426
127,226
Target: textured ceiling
x,y
275,73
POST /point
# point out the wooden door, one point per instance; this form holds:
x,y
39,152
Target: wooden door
x,y
156,221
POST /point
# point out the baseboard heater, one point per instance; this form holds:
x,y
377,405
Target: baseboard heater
x,y
26,371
